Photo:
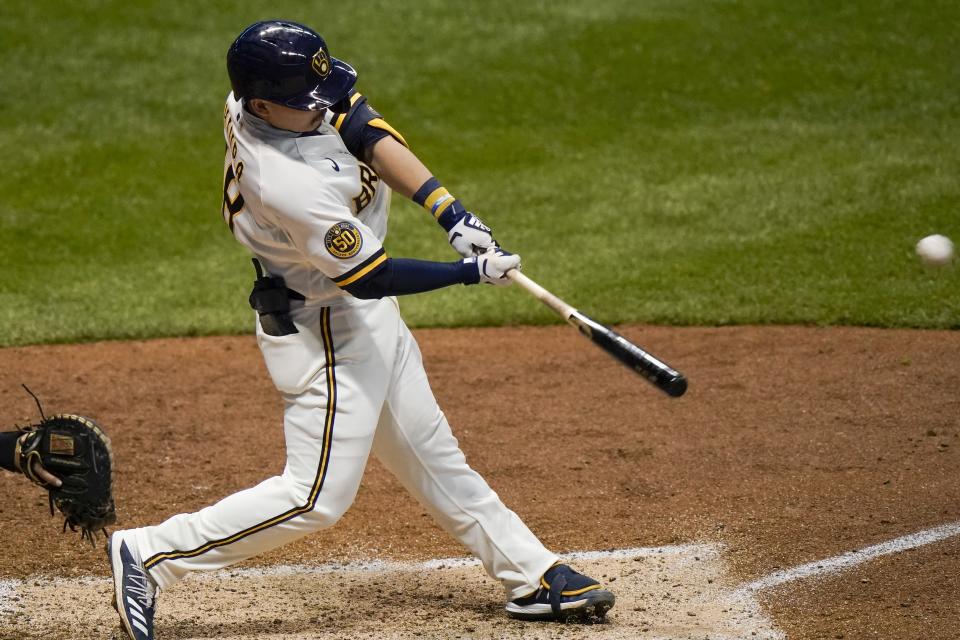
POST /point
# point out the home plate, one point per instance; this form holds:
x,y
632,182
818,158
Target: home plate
x,y
676,592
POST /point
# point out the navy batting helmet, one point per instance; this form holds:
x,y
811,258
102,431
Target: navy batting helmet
x,y
287,63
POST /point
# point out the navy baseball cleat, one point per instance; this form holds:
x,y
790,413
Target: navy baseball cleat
x,y
563,594
133,590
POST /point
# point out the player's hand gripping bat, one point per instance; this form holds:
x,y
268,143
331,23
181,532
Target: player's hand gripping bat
x,y
650,368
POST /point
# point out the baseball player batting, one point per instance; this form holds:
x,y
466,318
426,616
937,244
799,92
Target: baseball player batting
x,y
308,174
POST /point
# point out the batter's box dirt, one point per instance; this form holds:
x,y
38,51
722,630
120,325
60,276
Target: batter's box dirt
x,y
678,592
793,444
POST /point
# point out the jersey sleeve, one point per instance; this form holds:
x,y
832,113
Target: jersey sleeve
x,y
361,127
324,230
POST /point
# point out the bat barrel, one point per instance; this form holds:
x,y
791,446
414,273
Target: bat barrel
x,y
658,373
650,368
674,386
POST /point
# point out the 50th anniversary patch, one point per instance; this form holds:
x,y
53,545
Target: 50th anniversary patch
x,y
343,240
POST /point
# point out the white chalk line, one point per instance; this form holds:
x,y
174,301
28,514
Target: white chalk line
x,y
852,559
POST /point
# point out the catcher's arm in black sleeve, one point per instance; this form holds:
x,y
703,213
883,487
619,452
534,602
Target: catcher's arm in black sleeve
x,y
8,459
8,444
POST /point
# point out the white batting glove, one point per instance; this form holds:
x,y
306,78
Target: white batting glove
x,y
470,236
494,264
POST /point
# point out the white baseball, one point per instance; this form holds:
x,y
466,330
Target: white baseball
x,y
935,250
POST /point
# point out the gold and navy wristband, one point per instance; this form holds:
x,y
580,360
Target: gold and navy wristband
x,y
433,197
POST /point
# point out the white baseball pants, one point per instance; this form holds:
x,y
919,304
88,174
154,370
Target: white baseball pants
x,y
352,380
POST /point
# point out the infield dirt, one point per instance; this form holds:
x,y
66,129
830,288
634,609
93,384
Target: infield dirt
x,y
793,444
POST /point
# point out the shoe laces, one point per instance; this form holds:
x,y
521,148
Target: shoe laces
x,y
555,595
140,585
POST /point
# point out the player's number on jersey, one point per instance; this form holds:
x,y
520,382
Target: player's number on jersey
x,y
232,205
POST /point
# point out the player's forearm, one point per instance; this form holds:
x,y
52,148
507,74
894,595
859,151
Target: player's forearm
x,y
402,276
398,166
406,175
405,276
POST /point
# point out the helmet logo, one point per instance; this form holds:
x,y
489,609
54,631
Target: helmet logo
x,y
321,63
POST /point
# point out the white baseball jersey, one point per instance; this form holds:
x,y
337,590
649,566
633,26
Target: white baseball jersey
x,y
303,204
351,377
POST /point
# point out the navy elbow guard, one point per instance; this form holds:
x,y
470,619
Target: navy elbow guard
x,y
361,126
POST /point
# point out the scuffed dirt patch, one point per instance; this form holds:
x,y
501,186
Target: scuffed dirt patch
x,y
680,593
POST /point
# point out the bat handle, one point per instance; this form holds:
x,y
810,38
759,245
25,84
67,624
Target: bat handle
x,y
563,309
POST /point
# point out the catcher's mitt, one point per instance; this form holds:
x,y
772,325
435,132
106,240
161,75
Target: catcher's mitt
x,y
77,451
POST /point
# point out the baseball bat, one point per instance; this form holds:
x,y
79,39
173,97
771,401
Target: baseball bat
x,y
650,368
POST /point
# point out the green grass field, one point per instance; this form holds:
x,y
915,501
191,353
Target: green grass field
x,y
698,162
